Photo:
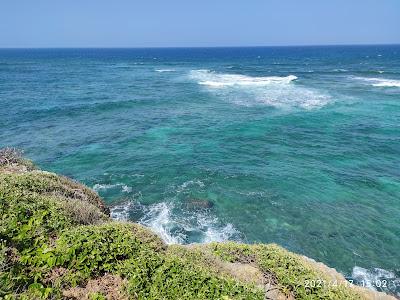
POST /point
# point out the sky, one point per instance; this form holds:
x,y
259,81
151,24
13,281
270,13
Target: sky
x,y
197,23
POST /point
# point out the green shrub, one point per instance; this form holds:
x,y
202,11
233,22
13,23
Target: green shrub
x,y
113,248
28,224
176,279
94,250
291,271
50,184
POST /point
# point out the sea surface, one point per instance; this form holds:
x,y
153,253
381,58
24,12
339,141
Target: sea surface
x,y
298,146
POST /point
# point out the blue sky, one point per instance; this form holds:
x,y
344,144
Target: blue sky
x,y
179,23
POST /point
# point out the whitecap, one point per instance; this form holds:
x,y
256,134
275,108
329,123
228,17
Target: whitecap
x,y
380,82
126,189
104,187
207,77
189,183
98,187
387,83
273,91
164,70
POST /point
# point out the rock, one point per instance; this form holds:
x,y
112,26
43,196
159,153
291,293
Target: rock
x,y
195,203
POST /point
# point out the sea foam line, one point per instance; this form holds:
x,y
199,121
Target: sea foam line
x,y
380,82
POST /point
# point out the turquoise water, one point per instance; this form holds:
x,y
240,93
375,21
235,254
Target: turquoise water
x,y
296,146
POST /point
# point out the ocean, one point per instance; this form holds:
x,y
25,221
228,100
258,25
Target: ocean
x,y
298,146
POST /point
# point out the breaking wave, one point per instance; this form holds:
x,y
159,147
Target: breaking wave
x,y
164,70
206,77
377,279
176,225
380,82
121,212
272,90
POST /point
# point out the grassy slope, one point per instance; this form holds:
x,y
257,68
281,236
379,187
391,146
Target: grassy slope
x,y
57,241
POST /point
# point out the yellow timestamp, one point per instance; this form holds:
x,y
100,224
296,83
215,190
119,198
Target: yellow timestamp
x,y
320,283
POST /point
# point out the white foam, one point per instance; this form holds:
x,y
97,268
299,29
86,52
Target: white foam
x,y
126,189
272,91
164,70
189,183
121,212
374,277
103,187
387,83
225,233
207,77
380,82
176,226
158,218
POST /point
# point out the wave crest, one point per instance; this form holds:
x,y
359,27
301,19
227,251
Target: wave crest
x,y
380,82
164,70
273,91
207,77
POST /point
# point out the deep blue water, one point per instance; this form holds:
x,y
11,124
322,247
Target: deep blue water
x,y
298,146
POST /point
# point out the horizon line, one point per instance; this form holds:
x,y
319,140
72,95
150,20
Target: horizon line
x,y
200,47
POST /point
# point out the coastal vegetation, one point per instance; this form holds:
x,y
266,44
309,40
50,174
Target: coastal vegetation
x,y
57,241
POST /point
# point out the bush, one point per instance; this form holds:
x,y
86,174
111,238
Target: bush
x,y
83,212
291,271
94,250
50,184
28,224
176,279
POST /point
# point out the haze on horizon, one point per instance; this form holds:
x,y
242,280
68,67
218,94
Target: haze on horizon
x,y
207,23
